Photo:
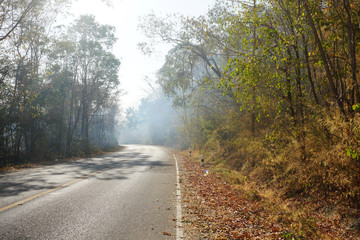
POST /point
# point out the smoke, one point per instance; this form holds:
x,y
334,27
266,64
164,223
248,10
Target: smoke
x,y
154,122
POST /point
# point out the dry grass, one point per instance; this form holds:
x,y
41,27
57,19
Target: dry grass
x,y
318,197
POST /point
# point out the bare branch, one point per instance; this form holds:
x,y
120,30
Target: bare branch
x,y
28,8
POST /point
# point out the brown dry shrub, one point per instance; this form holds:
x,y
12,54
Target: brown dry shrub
x,y
335,158
275,158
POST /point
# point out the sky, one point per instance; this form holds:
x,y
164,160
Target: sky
x,y
124,15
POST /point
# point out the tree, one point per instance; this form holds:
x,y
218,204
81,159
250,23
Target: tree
x,y
57,88
287,74
97,68
24,27
13,13
192,65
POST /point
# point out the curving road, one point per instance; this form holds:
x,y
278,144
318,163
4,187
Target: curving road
x,y
124,195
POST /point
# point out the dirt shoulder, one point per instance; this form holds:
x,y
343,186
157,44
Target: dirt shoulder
x,y
215,209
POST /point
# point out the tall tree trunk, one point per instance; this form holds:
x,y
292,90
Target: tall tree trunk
x,y
289,95
327,65
253,114
352,53
308,68
61,128
85,122
300,104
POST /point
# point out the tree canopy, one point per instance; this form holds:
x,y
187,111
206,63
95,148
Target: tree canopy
x,y
58,87
271,87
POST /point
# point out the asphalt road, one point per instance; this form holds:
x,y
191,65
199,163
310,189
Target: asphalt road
x,y
124,195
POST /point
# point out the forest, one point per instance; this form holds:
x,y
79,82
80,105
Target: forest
x,y
58,83
268,90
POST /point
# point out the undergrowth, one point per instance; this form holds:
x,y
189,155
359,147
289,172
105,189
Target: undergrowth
x,y
300,190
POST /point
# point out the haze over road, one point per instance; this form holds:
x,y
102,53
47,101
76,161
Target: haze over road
x,y
123,195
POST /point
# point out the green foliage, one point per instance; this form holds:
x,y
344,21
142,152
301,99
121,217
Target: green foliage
x,y
356,107
353,153
270,89
292,236
57,85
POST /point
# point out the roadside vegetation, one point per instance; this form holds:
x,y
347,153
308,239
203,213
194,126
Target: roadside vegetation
x,y
58,83
269,92
217,206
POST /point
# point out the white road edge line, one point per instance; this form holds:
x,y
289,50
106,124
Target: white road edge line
x,y
179,227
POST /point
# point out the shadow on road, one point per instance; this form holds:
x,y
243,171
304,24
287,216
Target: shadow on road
x,y
113,166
